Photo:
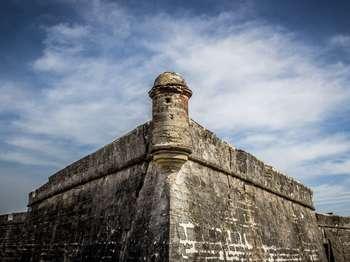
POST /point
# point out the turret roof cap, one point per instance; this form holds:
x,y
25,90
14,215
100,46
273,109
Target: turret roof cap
x,y
169,78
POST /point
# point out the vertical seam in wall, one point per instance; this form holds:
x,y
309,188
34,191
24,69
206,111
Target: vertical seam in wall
x,y
125,249
169,225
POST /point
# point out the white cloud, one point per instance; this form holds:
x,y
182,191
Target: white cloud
x,y
14,97
263,78
247,77
302,157
335,167
254,76
341,41
332,197
48,147
51,61
26,158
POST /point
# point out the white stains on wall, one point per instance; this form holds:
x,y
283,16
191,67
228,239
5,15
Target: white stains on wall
x,y
276,254
233,248
228,245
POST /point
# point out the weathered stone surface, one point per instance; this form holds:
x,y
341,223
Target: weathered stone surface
x,y
91,221
209,150
336,235
123,152
105,207
217,217
171,139
12,229
170,190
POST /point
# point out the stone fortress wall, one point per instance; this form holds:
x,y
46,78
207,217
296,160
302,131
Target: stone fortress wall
x,y
91,210
336,235
12,229
170,190
228,206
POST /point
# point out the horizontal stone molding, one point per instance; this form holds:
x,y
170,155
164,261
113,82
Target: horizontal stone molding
x,y
210,150
13,218
334,227
249,181
85,179
123,153
333,221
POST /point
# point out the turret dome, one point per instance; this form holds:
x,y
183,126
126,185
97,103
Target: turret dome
x,y
169,78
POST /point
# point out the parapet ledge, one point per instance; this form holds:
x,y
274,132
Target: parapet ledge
x,y
121,153
333,221
213,151
13,218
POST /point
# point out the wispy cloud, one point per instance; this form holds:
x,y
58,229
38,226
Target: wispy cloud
x,y
341,41
256,84
26,158
333,197
303,156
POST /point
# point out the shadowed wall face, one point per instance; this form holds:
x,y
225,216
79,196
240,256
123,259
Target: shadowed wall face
x,y
108,206
89,222
336,236
12,232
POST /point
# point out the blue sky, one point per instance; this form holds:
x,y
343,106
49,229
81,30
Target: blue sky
x,y
271,77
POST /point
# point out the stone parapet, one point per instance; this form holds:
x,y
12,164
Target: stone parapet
x,y
120,154
12,232
333,221
336,236
13,218
211,151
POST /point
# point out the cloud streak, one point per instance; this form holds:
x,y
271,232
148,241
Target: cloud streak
x,y
256,84
340,40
